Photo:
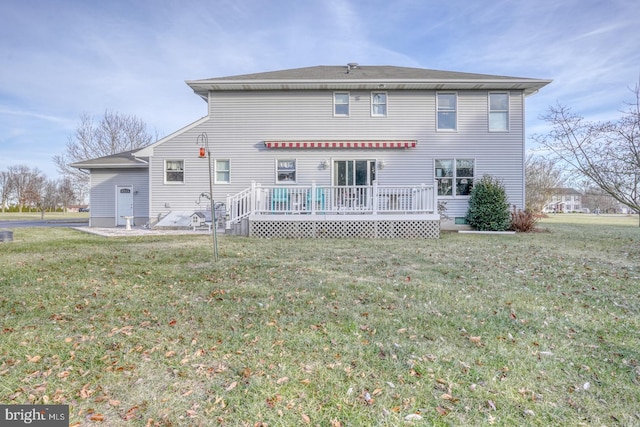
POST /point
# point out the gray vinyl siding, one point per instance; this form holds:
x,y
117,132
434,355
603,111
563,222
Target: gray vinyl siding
x,y
239,123
103,195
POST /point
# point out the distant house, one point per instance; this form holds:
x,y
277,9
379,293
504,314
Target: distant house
x,y
340,150
565,200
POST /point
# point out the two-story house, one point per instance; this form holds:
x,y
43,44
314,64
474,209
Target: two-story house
x,y
564,200
335,145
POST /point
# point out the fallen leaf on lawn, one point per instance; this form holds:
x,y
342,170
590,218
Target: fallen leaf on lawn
x,y
232,386
131,413
491,405
170,353
96,417
114,402
442,411
85,392
33,359
475,340
306,418
282,380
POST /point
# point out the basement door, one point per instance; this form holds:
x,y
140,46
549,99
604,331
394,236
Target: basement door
x,y
124,203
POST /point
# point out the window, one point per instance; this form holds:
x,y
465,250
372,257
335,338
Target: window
x,y
447,111
341,104
379,104
454,176
222,172
498,112
174,171
285,171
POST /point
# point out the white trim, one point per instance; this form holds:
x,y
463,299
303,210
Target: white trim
x,y
489,111
386,104
454,194
148,150
295,170
455,129
164,171
348,103
215,171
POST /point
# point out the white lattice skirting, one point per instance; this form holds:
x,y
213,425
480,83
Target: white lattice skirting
x,y
379,227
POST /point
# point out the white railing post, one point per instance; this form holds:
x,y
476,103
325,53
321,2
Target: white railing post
x,y
229,209
374,197
312,197
435,197
253,197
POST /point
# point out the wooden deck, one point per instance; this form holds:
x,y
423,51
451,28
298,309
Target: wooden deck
x,y
335,212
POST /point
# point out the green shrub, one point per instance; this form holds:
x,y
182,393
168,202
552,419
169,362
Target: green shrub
x,y
488,206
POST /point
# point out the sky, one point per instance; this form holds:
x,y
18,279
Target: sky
x,y
61,59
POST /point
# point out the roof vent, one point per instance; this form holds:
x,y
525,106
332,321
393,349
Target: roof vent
x,y
351,66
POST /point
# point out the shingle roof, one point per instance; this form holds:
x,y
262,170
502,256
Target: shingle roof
x,y
125,159
364,77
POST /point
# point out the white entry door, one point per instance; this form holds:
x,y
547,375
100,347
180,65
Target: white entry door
x,y
124,203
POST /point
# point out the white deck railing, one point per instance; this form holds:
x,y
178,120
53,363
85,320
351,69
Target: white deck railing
x,y
322,200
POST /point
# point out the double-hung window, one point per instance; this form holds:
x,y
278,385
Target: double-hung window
x,y
285,171
341,104
379,104
447,107
454,176
174,171
222,172
498,112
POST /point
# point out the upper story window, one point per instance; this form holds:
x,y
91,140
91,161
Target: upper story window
x,y
454,176
285,171
379,104
174,171
222,172
498,112
341,104
447,104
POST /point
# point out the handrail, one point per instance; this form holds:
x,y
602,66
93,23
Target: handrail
x,y
313,199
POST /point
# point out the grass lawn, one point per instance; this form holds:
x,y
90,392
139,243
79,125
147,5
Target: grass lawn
x,y
36,216
469,330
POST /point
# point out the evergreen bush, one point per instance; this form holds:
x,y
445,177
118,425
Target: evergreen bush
x,y
488,206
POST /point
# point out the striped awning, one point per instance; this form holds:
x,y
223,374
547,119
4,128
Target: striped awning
x,y
341,144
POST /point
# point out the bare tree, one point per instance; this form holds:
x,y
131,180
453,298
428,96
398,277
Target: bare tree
x,y
65,192
5,189
114,133
21,177
608,153
542,176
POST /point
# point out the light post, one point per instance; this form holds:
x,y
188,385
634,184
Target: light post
x,y
203,141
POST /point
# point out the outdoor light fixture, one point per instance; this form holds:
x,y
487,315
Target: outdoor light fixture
x,y
381,164
324,164
203,141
